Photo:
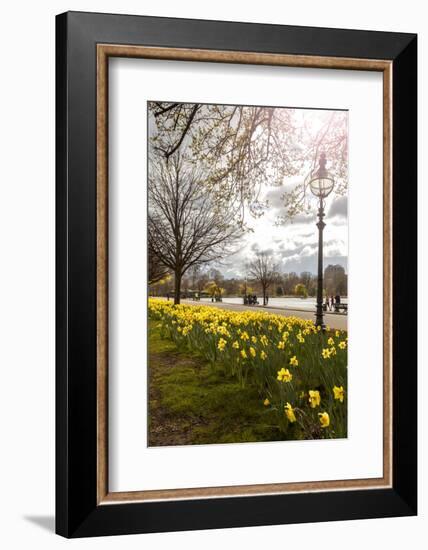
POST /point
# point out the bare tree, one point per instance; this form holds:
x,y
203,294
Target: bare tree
x,y
187,226
263,270
289,281
305,278
156,269
202,281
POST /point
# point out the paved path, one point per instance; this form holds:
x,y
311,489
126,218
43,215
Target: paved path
x,y
334,320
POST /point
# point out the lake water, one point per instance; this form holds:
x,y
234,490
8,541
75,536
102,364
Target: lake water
x,y
291,303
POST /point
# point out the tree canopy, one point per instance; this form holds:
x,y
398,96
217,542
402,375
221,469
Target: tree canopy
x,y
242,148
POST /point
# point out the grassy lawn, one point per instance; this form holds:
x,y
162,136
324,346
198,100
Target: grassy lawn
x,y
192,403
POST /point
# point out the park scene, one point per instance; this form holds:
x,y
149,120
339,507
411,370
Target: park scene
x,y
247,273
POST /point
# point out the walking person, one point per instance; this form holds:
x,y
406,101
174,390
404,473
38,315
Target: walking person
x,y
337,303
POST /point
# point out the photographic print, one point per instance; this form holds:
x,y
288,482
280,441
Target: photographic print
x,y
212,234
247,273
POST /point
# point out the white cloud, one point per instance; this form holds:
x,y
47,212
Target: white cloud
x,y
339,208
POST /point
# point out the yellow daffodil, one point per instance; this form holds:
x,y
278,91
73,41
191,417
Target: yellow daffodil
x,y
284,375
294,361
324,419
264,340
222,344
338,393
187,329
326,353
289,412
314,398
251,334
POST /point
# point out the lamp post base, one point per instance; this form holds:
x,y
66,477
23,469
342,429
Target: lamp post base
x,y
319,319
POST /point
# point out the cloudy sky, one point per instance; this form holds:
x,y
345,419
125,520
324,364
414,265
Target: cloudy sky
x,y
294,245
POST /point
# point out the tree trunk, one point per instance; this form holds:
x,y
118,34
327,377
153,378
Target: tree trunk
x,y
177,287
264,295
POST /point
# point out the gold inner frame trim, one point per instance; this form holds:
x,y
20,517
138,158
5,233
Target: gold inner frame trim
x,y
104,51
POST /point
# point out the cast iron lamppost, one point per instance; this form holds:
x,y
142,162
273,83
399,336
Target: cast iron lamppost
x,y
321,183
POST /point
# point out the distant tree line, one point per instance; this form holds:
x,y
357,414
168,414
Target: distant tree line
x,y
263,279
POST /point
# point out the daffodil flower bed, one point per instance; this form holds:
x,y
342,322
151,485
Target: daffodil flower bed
x,y
299,370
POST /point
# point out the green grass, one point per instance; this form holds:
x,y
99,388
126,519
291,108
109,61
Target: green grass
x,y
190,402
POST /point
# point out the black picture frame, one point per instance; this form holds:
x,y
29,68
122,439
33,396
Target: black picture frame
x,y
77,511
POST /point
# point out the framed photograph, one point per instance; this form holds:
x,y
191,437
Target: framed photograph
x,y
236,274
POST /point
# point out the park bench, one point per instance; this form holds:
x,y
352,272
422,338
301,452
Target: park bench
x,y
337,308
250,302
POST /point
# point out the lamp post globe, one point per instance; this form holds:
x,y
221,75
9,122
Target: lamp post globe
x,y
320,180
321,183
